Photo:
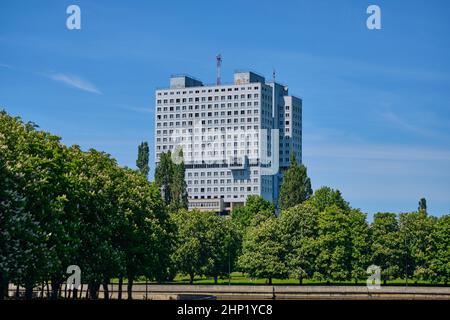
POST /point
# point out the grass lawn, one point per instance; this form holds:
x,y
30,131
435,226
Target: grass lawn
x,y
238,278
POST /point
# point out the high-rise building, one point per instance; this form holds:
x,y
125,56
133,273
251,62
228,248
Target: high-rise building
x,y
236,138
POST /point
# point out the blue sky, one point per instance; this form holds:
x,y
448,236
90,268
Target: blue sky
x,y
376,102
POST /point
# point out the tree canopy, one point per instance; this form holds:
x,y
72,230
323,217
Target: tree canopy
x,y
296,186
170,178
142,159
62,206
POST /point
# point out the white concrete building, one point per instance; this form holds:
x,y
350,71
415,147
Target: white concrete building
x,y
228,134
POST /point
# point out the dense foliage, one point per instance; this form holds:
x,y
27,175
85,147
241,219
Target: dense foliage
x,y
207,244
169,177
62,206
142,158
296,186
323,238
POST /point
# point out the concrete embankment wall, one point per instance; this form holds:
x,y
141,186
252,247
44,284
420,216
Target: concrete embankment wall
x,y
302,292
241,292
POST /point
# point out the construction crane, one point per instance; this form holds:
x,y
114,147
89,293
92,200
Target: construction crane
x,y
219,62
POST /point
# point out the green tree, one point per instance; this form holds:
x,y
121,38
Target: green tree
x,y
415,228
178,188
438,251
299,230
422,205
101,257
207,244
164,176
170,178
296,186
326,197
359,235
61,206
263,255
334,259
386,245
222,241
7,248
36,161
13,216
243,215
143,234
191,251
142,159
22,240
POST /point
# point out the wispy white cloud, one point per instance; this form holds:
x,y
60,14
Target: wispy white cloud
x,y
424,123
68,79
75,82
404,124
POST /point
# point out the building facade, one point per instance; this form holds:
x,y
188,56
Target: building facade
x,y
236,139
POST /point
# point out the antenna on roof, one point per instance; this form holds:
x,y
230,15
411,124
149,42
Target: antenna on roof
x,y
219,62
273,75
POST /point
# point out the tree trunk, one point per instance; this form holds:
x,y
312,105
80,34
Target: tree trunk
x,y
215,279
93,290
6,294
270,281
191,278
29,291
300,280
17,291
2,286
130,288
119,294
105,290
